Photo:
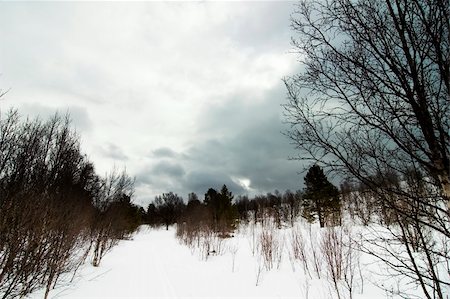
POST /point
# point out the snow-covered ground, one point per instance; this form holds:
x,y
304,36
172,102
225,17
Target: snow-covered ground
x,y
153,264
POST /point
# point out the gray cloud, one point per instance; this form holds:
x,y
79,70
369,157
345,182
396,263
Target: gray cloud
x,y
163,152
165,174
247,147
200,181
252,146
114,152
144,177
169,169
79,115
80,118
267,29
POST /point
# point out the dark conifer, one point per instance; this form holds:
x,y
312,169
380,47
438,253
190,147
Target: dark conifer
x,y
321,198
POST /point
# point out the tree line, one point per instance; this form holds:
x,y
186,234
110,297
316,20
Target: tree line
x,y
216,210
221,211
55,210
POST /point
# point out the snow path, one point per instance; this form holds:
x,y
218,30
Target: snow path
x,y
155,265
159,255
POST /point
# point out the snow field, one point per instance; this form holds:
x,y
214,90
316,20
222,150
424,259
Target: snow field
x,y
155,264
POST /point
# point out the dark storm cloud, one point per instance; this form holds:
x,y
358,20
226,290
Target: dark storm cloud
x,y
169,169
163,173
247,144
200,181
252,147
144,177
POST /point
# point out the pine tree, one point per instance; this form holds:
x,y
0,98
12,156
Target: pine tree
x,y
220,205
321,198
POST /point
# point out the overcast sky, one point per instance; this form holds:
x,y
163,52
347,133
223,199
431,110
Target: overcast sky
x,y
185,95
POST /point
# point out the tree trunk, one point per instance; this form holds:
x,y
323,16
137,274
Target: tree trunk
x,y
445,186
49,284
320,214
96,259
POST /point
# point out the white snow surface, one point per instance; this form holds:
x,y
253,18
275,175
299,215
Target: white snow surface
x,y
153,264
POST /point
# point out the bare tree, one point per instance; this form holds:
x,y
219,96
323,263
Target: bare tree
x,y
42,208
377,84
108,227
49,195
374,100
169,207
291,206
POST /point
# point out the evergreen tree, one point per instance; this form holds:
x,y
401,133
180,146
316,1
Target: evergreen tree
x,y
223,212
321,198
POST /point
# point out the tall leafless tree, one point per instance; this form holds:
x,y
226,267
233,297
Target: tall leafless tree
x,y
108,228
376,85
53,205
374,99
